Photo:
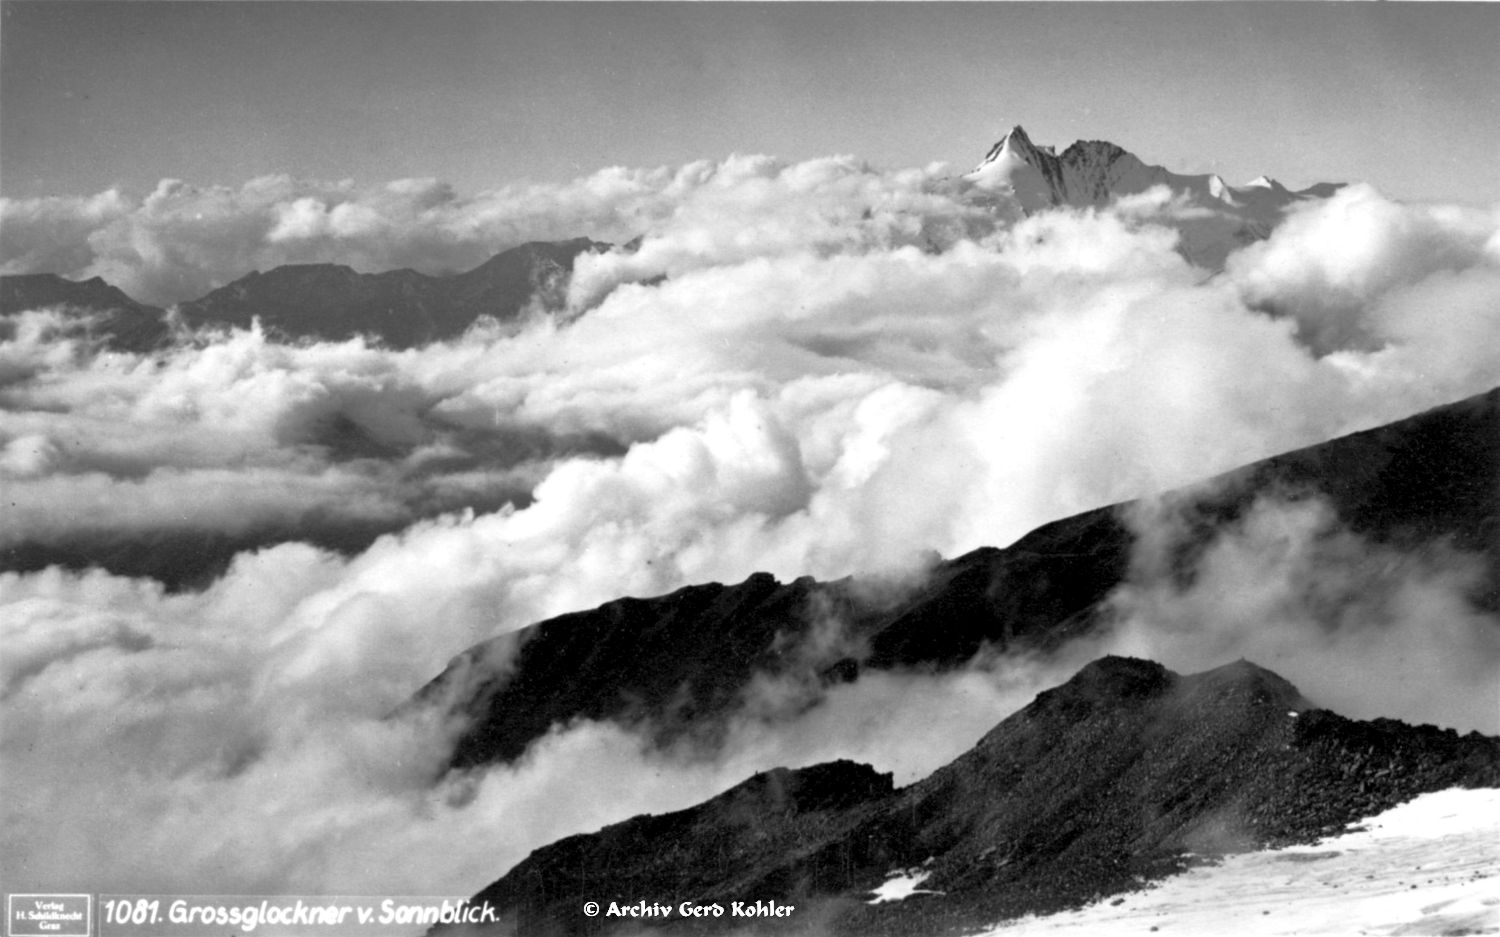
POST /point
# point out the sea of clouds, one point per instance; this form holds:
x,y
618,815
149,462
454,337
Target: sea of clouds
x,y
815,368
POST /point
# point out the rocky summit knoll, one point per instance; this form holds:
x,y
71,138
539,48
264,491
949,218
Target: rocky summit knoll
x,y
1124,774
677,665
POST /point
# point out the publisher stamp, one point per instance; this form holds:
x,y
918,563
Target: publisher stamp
x,y
49,915
284,915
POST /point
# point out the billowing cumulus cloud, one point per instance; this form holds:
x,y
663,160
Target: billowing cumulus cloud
x,y
1363,628
1369,252
182,240
814,368
217,754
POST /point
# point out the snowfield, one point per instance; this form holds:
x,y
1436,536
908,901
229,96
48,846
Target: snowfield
x,y
1431,866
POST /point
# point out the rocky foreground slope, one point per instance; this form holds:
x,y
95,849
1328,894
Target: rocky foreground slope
x,y
676,664
1120,776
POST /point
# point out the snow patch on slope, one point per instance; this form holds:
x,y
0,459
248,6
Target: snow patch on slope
x,y
1430,866
901,884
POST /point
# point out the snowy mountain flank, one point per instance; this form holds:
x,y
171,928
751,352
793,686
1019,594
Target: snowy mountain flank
x,y
1213,216
1425,867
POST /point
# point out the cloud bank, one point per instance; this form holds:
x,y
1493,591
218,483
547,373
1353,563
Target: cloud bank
x,y
814,368
182,240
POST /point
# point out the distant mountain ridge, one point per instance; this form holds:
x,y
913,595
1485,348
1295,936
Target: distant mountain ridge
x,y
1092,173
116,319
403,308
331,302
1113,779
677,664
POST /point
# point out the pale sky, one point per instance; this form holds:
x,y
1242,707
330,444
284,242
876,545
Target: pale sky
x,y
94,95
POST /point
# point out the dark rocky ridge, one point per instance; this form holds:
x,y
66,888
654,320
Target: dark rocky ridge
x,y
677,664
403,308
1099,785
400,308
108,315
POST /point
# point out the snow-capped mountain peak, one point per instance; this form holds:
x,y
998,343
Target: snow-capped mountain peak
x,y
1093,173
1017,144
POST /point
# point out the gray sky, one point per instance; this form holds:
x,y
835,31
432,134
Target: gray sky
x,y
482,94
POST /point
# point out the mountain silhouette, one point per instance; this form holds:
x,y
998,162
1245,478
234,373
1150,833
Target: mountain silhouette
x,y
401,308
1126,773
327,302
